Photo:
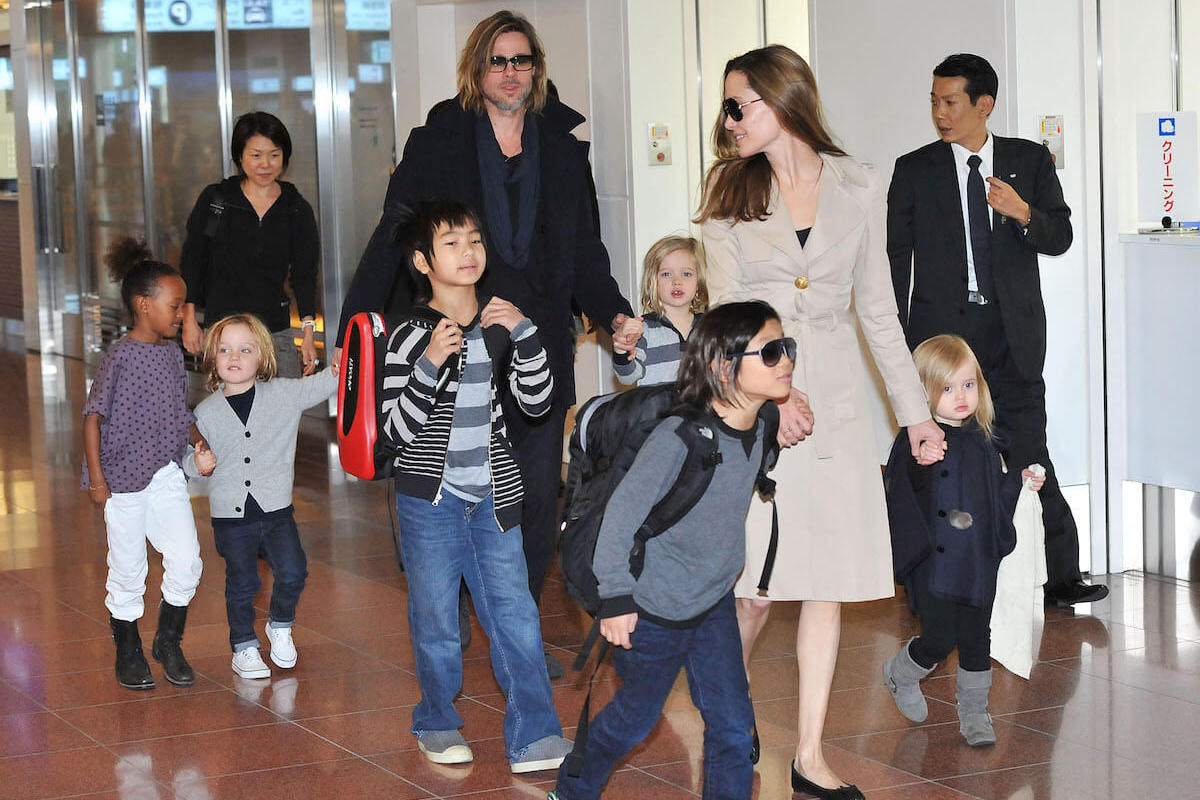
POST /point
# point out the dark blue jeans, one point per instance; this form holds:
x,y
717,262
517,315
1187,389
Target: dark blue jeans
x,y
443,545
711,653
278,542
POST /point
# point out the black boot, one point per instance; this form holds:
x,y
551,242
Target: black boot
x,y
132,670
166,648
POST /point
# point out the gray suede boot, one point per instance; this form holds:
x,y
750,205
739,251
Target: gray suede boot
x,y
973,720
902,677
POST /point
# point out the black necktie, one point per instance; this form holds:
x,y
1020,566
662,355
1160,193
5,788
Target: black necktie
x,y
981,230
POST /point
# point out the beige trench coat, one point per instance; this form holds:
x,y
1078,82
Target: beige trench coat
x,y
834,542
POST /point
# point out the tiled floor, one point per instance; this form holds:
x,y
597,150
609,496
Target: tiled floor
x,y
1112,710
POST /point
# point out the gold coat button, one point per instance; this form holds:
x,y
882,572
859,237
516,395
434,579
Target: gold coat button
x,y
801,282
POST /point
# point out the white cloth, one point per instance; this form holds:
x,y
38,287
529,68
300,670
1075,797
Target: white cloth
x,y
162,514
1017,613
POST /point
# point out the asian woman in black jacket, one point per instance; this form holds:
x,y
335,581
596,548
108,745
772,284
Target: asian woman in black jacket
x,y
247,237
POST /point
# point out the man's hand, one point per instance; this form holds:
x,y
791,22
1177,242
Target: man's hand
x,y
206,459
1005,200
500,312
617,629
928,442
795,419
626,332
446,339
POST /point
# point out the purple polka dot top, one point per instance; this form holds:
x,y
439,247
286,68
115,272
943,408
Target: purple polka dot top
x,y
140,393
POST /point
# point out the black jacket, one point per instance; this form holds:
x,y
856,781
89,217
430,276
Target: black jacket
x,y
926,233
567,259
925,506
245,265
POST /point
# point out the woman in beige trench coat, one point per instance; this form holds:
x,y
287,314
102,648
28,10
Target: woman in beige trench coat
x,y
778,179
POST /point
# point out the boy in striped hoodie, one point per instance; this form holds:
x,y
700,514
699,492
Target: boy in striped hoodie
x,y
458,485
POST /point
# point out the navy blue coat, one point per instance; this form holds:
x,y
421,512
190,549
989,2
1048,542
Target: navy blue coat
x,y
925,506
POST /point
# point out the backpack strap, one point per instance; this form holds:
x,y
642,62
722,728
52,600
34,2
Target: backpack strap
x,y
766,488
216,207
579,749
695,475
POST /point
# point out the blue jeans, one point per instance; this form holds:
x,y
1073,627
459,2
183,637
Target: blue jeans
x,y
278,541
459,540
711,653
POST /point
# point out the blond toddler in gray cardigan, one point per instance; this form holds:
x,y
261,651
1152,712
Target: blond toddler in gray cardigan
x,y
250,422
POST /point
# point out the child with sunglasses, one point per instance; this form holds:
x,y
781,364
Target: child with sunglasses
x,y
680,612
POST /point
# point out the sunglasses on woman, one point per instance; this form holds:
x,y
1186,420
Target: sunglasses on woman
x,y
733,109
772,351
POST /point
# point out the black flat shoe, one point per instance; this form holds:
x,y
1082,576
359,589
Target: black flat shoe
x,y
1069,594
803,784
755,748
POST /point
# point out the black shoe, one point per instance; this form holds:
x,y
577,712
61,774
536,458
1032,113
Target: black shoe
x,y
1067,595
132,670
166,650
464,618
755,748
803,784
554,667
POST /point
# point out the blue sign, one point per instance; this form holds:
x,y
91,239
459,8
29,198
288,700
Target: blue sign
x,y
1166,126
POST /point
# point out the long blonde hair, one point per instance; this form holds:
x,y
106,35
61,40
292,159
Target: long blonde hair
x,y
937,359
473,61
268,366
654,257
739,188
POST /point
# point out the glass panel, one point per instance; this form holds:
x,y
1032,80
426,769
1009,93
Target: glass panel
x,y
270,69
62,171
111,131
270,66
372,125
186,121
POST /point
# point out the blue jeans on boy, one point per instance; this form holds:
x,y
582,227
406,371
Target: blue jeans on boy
x,y
460,540
711,653
277,540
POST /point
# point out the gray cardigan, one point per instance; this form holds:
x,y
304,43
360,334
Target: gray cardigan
x,y
258,457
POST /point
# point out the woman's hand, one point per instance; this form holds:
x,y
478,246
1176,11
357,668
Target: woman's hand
x,y
446,339
795,419
928,442
500,312
308,351
617,629
193,337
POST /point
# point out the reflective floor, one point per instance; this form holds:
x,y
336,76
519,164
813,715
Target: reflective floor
x,y
1112,710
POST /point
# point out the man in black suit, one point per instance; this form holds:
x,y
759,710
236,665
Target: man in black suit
x,y
967,217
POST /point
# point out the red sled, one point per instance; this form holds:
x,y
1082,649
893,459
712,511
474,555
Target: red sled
x,y
362,449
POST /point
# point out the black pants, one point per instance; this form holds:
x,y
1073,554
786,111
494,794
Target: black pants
x,y
946,625
1021,420
539,445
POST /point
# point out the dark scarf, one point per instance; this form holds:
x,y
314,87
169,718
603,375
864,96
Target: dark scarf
x,y
512,246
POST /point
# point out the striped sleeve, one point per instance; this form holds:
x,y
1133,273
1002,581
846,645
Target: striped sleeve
x,y
630,371
529,377
409,384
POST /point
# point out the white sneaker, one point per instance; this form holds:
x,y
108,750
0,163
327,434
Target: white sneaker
x,y
248,663
283,649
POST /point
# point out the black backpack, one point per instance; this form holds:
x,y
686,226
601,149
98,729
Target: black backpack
x,y
609,432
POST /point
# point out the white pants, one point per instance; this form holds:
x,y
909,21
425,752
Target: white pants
x,y
162,514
